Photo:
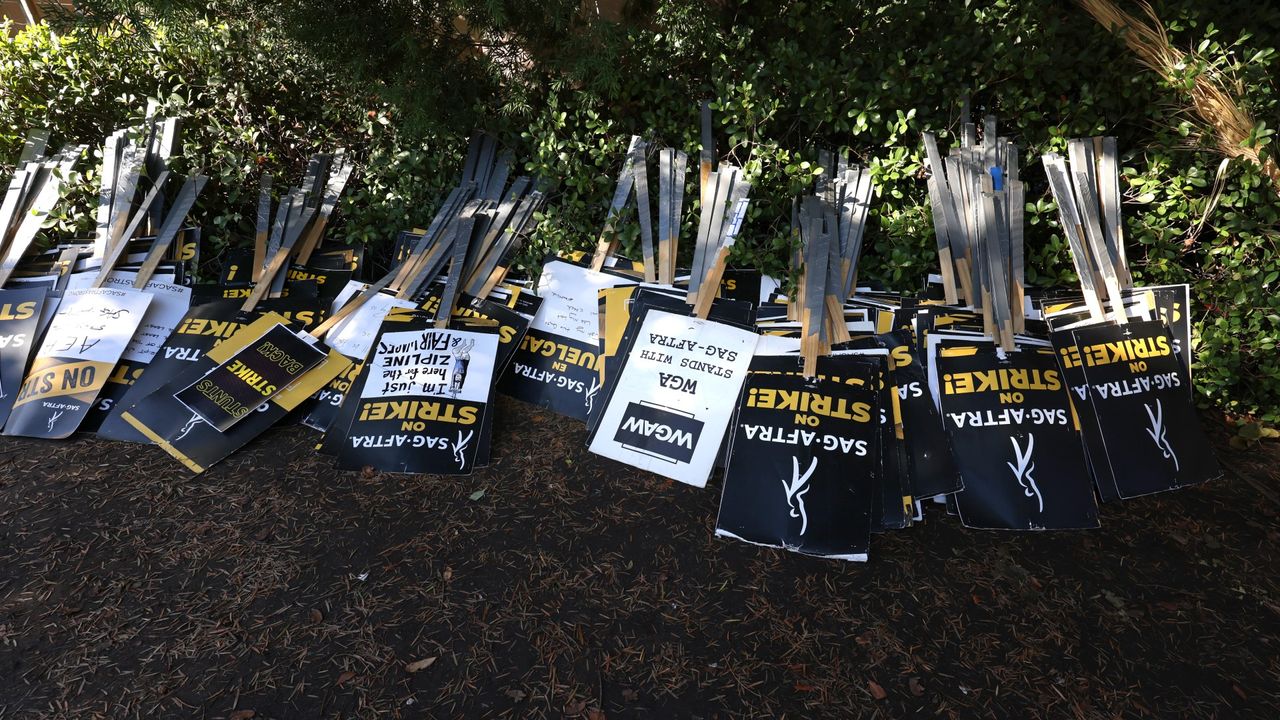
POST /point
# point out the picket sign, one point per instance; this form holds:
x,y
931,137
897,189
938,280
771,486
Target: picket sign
x,y
174,417
674,396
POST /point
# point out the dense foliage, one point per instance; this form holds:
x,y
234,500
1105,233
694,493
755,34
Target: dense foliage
x,y
401,83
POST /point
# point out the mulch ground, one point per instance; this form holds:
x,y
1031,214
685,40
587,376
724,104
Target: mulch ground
x,y
275,586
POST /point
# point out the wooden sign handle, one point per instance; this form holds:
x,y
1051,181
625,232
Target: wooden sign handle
x,y
711,285
117,250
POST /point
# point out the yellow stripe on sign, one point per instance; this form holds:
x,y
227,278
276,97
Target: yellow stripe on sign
x,y
50,378
192,465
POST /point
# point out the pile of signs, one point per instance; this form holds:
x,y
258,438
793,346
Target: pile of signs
x,y
398,372
1082,399
95,312
835,411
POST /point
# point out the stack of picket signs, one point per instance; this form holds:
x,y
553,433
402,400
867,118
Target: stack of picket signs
x,y
832,410
81,316
835,411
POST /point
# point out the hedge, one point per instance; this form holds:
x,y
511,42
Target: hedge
x,y
263,85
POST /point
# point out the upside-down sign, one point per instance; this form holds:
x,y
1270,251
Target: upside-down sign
x,y
674,396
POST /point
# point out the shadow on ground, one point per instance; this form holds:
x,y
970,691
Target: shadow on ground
x,y
275,586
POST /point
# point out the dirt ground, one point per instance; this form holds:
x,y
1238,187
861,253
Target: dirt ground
x,y
275,586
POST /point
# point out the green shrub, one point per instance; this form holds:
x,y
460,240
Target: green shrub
x,y
267,110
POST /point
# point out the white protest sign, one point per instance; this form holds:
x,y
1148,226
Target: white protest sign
x,y
354,335
570,305
347,292
169,304
437,363
94,325
675,396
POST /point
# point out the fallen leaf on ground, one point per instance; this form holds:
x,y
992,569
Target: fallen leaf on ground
x,y
242,715
575,707
345,677
316,616
367,472
447,574
477,494
516,694
877,692
418,665
595,714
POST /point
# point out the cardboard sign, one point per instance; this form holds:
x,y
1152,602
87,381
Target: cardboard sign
x,y
674,396
1015,440
19,317
353,337
568,295
422,401
258,372
558,363
81,347
165,421
803,464
169,303
1136,388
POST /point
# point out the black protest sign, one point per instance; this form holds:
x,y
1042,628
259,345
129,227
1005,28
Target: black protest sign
x,y
237,268
1064,347
421,400
741,284
167,422
19,315
933,470
673,399
1172,305
557,365
891,506
80,348
1015,440
803,464
559,373
255,374
892,493
198,331
1167,303
1137,385
201,329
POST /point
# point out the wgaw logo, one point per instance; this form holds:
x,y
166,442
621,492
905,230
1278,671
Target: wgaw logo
x,y
659,432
